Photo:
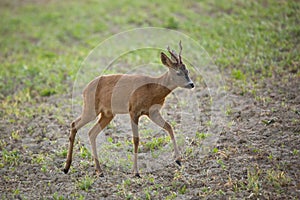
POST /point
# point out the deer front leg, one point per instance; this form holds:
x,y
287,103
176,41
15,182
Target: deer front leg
x,y
136,139
156,117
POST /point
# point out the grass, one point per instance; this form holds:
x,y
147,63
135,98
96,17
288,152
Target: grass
x,y
202,136
157,143
15,135
56,196
85,153
85,183
49,41
62,152
11,158
253,180
152,188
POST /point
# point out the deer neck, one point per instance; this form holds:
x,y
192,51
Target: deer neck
x,y
165,80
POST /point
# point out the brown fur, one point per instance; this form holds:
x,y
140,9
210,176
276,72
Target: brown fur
x,y
137,95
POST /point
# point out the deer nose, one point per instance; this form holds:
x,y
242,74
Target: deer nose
x,y
190,85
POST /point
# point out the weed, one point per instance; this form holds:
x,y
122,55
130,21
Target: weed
x,y
39,158
177,175
126,182
238,74
80,197
221,192
209,123
206,190
60,119
85,153
228,111
172,23
56,196
268,122
129,196
44,168
110,139
85,183
256,150
182,190
30,130
11,157
278,178
270,157
202,136
47,92
2,144
84,163
146,132
123,189
16,192
173,123
15,135
151,179
173,195
147,194
157,143
295,152
215,150
221,163
253,180
189,151
62,152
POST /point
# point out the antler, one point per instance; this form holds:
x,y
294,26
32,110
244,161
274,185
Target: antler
x,y
173,55
180,47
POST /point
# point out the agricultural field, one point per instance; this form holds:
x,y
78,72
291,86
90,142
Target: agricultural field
x,y
243,143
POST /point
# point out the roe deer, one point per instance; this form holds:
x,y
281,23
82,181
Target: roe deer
x,y
137,95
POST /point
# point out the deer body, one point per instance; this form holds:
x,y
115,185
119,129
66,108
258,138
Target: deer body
x,y
117,94
137,95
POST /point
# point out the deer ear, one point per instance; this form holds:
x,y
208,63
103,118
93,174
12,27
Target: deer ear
x,y
166,60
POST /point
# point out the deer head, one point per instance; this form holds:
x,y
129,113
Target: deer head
x,y
178,72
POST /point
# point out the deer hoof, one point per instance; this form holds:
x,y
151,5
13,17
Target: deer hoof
x,y
137,175
178,162
99,173
65,171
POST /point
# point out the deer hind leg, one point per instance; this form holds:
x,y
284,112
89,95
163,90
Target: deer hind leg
x,y
75,126
156,117
93,133
136,139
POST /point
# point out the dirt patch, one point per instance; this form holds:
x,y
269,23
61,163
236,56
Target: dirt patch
x,y
256,156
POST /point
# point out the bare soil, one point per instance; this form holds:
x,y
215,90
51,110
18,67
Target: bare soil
x,y
257,155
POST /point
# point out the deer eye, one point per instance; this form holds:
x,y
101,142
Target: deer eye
x,y
179,73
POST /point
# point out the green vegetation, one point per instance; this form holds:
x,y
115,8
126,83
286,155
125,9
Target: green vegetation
x,y
202,136
85,153
11,158
157,143
42,46
85,183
